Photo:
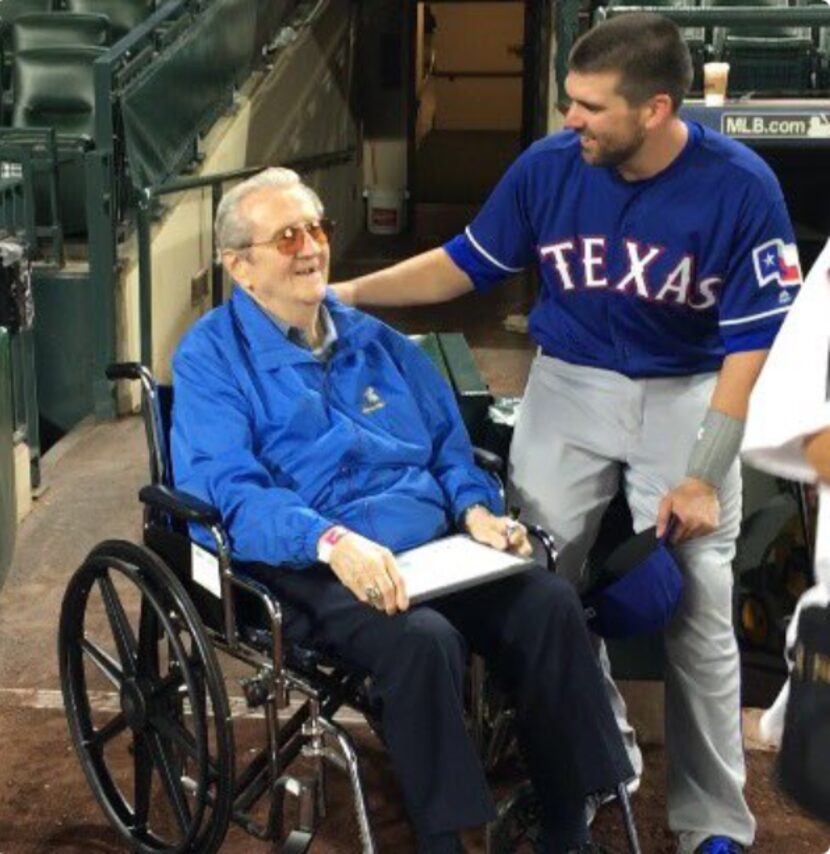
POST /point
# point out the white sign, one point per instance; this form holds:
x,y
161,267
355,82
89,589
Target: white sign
x,y
205,569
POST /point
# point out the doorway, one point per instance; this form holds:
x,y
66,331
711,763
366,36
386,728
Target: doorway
x,y
468,117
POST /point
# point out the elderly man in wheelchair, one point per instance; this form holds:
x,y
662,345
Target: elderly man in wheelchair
x,y
327,442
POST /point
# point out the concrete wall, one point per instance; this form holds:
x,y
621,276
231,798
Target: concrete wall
x,y
481,37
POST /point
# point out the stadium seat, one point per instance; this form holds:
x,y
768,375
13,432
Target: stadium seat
x,y
123,15
10,11
764,58
695,37
53,87
59,29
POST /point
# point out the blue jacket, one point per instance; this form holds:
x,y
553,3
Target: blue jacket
x,y
286,446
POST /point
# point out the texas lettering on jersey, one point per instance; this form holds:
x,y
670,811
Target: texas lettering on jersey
x,y
580,262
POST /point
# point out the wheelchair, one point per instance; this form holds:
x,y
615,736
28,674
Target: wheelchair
x,y
148,620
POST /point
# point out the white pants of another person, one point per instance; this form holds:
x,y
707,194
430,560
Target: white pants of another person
x,y
579,431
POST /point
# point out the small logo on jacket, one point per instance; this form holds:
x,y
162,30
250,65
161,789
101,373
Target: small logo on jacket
x,y
372,401
776,261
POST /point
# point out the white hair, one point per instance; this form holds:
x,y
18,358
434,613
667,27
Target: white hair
x,y
233,229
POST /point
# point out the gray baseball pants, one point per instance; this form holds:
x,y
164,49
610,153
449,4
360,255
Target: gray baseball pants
x,y
579,431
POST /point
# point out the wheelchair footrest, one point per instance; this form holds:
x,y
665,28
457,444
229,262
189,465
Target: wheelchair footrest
x,y
298,842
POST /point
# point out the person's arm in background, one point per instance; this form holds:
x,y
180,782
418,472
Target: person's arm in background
x,y
817,452
423,279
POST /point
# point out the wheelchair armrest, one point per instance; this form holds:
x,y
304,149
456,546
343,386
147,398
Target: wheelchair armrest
x,y
548,544
488,461
180,504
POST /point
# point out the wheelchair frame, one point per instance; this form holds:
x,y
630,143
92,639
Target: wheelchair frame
x,y
198,767
310,730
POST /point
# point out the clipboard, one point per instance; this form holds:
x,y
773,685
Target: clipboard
x,y
454,563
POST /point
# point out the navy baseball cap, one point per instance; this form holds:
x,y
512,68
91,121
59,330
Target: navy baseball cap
x,y
637,589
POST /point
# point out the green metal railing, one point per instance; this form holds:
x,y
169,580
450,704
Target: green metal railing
x,y
717,16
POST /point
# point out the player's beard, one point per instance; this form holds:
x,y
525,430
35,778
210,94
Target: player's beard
x,y
614,152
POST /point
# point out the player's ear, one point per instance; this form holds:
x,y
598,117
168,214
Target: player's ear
x,y
658,110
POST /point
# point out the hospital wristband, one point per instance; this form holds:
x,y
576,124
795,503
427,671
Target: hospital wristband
x,y
328,540
718,442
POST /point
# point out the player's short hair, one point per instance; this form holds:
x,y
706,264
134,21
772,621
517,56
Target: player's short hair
x,y
647,50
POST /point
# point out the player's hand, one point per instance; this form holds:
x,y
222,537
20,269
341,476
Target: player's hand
x,y
695,506
365,566
500,532
345,292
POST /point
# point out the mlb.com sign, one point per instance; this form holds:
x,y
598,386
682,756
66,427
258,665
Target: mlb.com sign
x,y
776,125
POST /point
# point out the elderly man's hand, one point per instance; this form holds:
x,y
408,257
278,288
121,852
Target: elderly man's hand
x,y
370,572
695,506
500,532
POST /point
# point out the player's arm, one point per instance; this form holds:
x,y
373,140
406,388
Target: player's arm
x,y
736,380
694,501
498,243
427,278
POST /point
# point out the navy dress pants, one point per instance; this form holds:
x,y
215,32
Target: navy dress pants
x,y
530,630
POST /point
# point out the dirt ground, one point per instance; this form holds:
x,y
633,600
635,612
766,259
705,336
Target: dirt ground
x,y
46,806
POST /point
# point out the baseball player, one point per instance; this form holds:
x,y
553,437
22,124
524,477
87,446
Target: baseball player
x,y
667,263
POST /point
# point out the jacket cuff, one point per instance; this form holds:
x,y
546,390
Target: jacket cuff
x,y
315,531
470,499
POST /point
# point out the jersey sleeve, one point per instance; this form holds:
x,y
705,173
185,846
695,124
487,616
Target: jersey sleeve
x,y
763,274
499,241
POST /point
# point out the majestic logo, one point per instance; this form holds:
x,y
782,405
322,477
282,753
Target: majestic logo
x,y
372,401
776,261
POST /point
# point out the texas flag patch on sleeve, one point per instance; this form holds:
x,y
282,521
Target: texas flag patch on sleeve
x,y
776,261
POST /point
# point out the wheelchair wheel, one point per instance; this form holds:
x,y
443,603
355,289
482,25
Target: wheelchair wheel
x,y
159,757
516,828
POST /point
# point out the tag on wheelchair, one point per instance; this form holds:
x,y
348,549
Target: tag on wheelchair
x,y
204,568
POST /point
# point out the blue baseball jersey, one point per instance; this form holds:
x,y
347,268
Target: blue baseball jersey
x,y
660,277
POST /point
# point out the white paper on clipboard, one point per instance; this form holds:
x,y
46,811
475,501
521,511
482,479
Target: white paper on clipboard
x,y
454,563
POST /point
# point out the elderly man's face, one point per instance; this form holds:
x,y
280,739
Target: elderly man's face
x,y
276,279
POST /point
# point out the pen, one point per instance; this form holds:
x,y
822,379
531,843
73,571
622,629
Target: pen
x,y
512,522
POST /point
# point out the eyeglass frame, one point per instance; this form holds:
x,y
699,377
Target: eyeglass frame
x,y
325,223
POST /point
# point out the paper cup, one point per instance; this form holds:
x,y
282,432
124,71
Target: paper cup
x,y
715,78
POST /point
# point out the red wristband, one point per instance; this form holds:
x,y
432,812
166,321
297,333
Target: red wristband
x,y
328,541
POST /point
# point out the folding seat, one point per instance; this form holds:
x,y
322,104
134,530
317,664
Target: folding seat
x,y
53,88
59,29
764,58
123,15
10,11
695,37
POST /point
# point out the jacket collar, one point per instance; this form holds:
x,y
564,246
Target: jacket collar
x,y
270,348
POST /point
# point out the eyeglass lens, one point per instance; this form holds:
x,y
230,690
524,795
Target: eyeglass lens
x,y
290,242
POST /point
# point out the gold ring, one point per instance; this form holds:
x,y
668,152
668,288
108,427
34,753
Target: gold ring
x,y
372,594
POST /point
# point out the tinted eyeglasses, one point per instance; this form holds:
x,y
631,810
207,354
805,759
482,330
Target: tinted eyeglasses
x,y
290,240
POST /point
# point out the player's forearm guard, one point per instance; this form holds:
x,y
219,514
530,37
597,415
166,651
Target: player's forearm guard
x,y
718,442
